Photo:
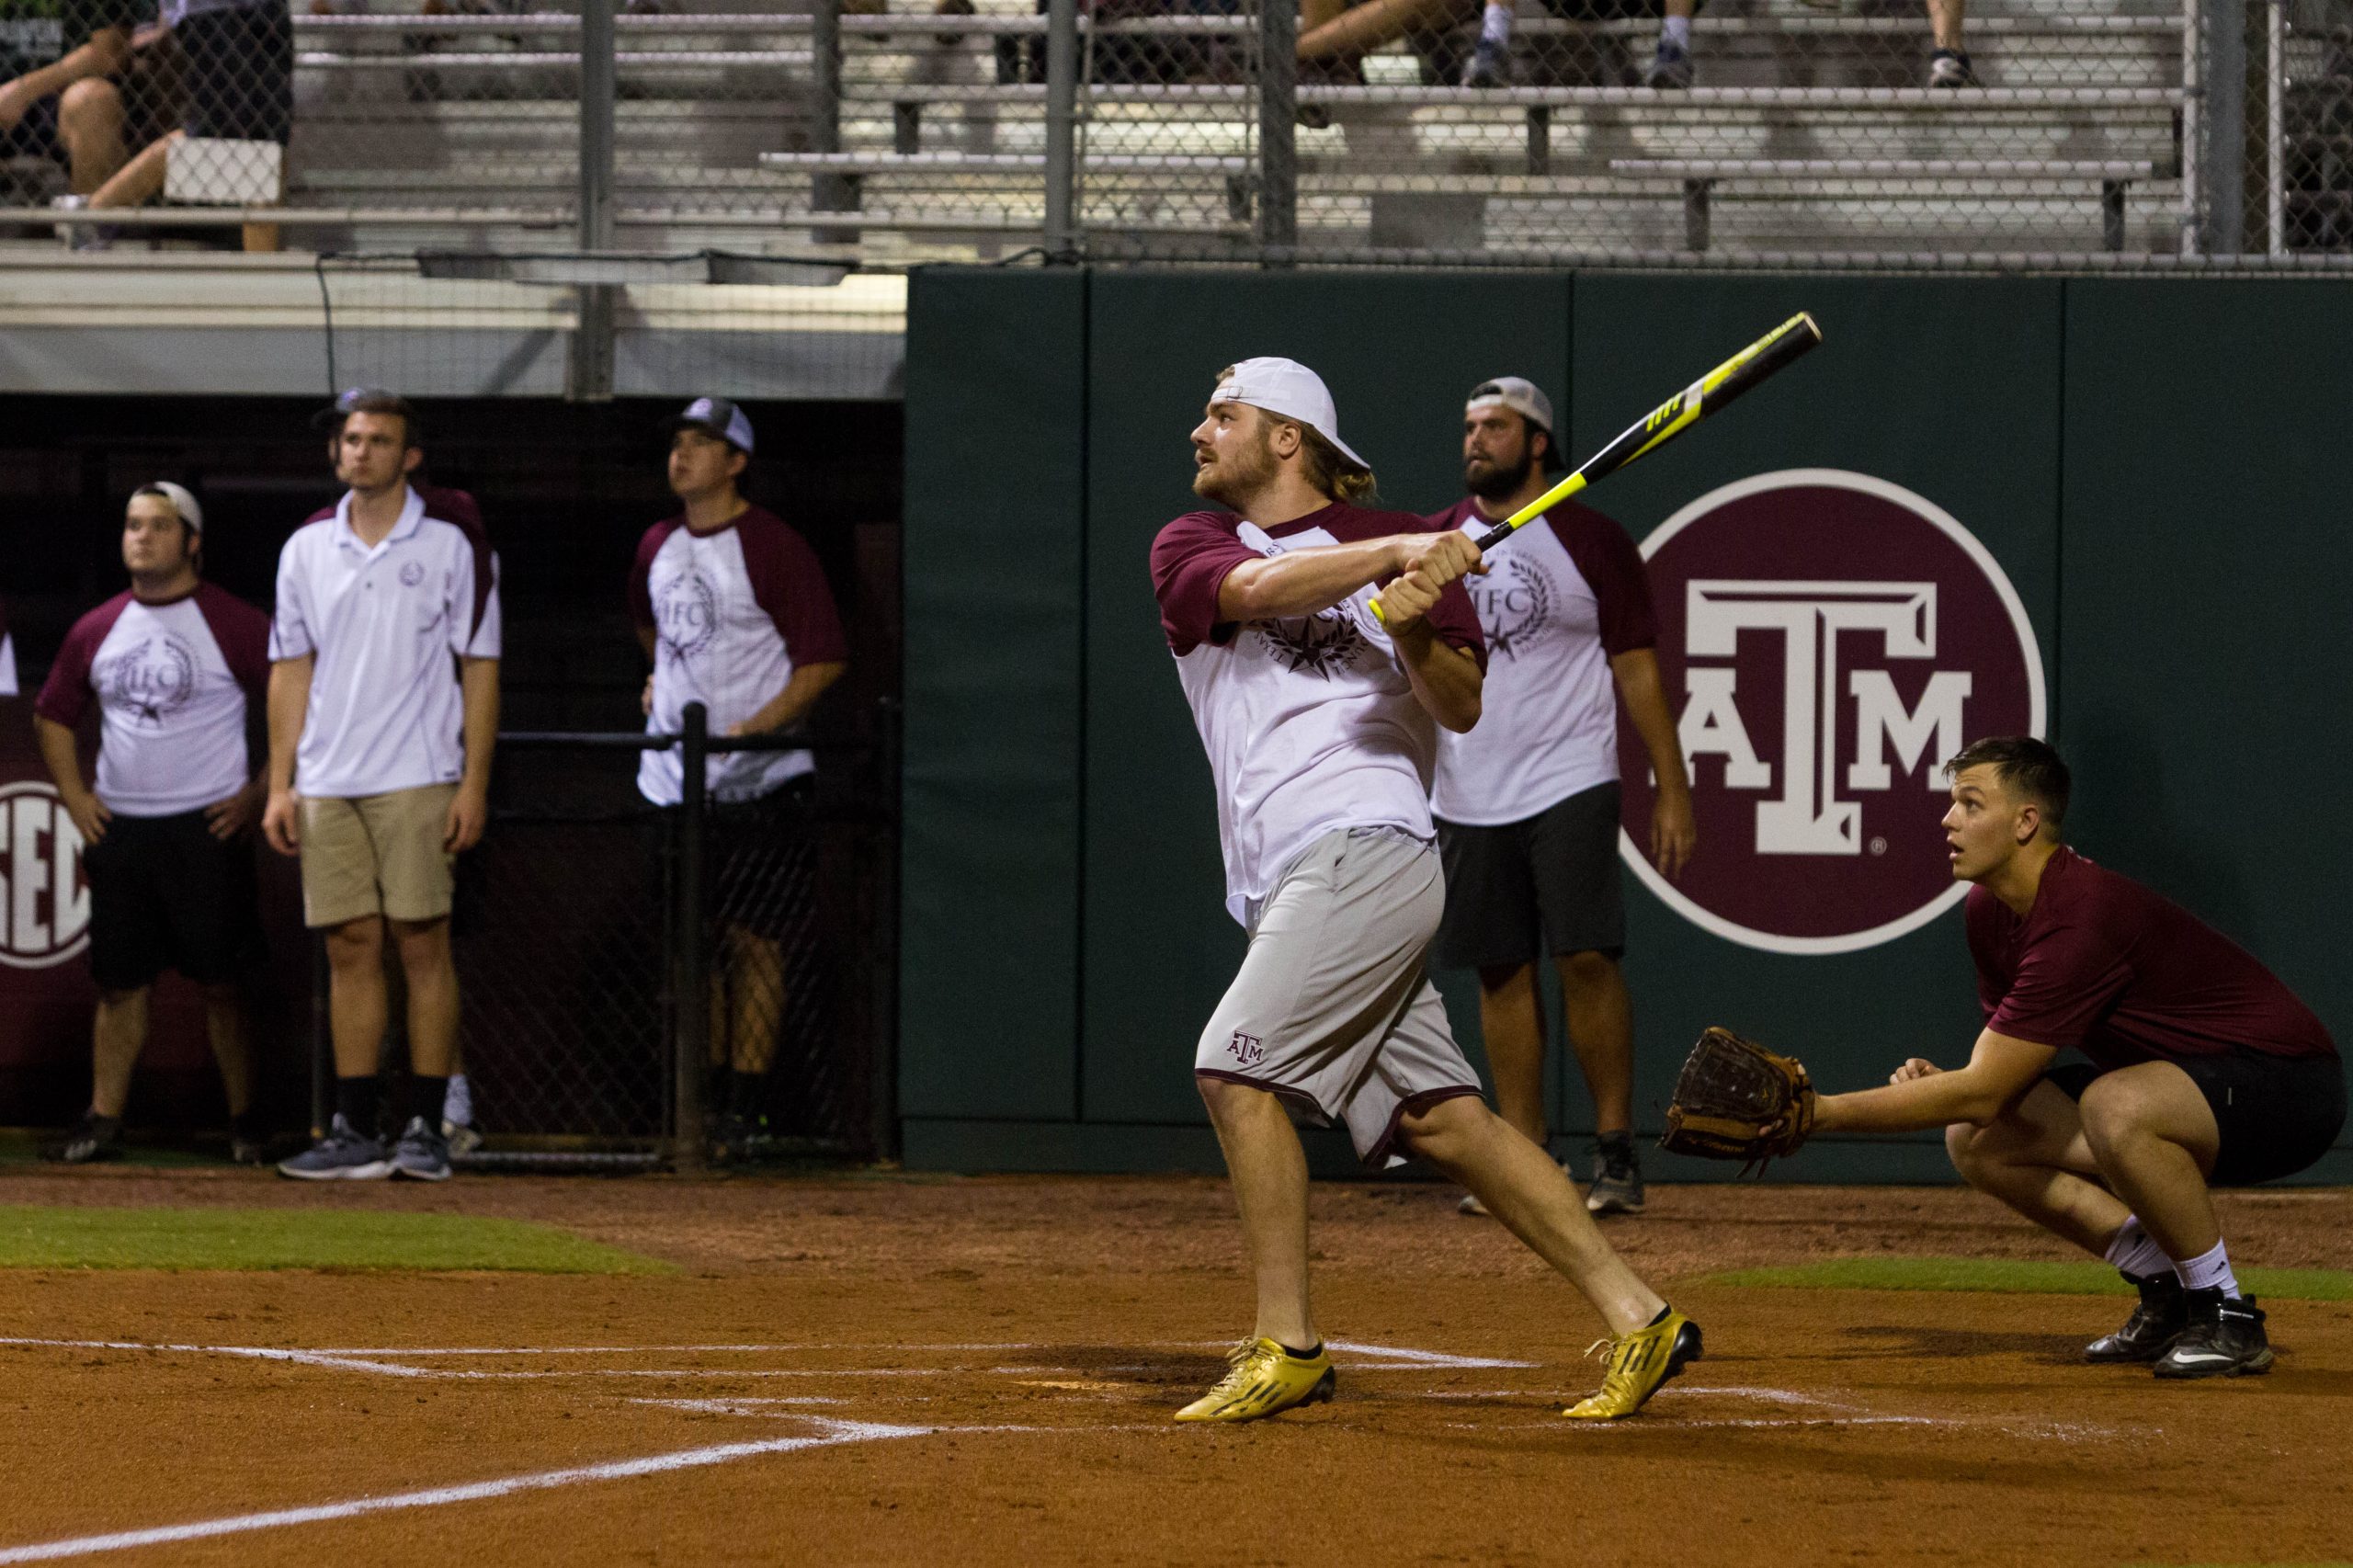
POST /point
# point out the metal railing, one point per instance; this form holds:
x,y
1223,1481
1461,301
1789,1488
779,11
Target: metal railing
x,y
2097,134
588,931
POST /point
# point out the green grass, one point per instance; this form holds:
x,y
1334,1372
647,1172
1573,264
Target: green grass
x,y
43,1237
2013,1276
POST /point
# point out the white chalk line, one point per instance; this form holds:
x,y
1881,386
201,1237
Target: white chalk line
x,y
834,1433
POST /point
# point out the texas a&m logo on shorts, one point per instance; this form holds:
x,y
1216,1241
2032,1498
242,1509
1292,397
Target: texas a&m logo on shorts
x,y
1827,640
44,903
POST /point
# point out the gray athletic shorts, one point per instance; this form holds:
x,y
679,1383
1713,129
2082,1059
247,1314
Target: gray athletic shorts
x,y
1332,1011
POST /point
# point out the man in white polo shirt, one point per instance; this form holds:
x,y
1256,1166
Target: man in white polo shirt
x,y
175,665
1527,803
384,706
1321,721
732,609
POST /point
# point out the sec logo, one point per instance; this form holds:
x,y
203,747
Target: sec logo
x,y
44,902
1829,639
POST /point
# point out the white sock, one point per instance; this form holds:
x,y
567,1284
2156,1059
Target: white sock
x,y
2207,1271
457,1103
2134,1252
1675,31
1495,26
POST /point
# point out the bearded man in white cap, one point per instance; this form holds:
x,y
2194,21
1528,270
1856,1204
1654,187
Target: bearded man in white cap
x,y
1322,646
174,667
1528,806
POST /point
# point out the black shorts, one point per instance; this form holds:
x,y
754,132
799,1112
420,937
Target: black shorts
x,y
762,862
239,72
164,893
1548,884
34,136
2277,1115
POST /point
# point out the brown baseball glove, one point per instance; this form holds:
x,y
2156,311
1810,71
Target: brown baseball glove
x,y
1735,1100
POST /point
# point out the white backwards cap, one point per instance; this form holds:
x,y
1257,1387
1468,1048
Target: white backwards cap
x,y
182,502
1290,389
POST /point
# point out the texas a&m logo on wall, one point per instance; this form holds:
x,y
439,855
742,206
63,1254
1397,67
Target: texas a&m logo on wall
x,y
44,902
1827,641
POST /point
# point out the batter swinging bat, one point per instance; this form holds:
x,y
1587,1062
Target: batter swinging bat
x,y
1707,395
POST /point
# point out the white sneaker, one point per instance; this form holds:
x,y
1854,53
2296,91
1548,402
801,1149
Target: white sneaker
x,y
81,236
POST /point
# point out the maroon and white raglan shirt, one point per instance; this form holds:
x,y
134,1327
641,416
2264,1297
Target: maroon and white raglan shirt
x,y
7,657
1310,723
733,613
384,623
173,681
2126,975
1566,595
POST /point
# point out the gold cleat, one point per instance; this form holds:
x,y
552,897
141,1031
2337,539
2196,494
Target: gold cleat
x,y
1636,1365
1266,1378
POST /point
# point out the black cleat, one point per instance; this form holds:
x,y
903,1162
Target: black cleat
x,y
2224,1339
94,1137
2153,1326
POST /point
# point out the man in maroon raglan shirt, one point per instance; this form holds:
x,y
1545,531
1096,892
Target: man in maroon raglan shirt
x,y
732,611
176,667
1322,646
2204,1068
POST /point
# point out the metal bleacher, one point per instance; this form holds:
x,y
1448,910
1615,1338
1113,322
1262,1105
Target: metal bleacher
x,y
1810,133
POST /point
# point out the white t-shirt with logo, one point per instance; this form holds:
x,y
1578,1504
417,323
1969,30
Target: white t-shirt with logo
x,y
1561,597
733,613
386,710
172,681
1310,723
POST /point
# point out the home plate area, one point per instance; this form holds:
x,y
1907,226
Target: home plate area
x,y
693,1407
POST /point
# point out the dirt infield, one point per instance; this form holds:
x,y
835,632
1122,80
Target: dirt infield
x,y
859,1371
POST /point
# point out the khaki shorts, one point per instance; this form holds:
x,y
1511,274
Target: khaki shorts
x,y
1331,1012
377,855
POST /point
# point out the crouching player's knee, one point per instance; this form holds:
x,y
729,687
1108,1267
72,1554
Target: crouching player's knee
x,y
1969,1146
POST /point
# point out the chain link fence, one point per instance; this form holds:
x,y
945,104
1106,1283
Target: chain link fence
x,y
2090,133
710,983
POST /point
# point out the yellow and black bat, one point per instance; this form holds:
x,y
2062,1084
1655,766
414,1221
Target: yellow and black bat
x,y
1707,395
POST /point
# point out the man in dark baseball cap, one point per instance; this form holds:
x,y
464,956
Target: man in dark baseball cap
x,y
715,417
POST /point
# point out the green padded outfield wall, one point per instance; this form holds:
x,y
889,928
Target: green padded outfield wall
x,y
1064,934
996,444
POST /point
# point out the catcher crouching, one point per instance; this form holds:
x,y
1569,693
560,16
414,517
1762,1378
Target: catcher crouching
x,y
2204,1070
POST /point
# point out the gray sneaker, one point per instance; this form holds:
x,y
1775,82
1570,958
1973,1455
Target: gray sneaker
x,y
1616,1185
422,1154
342,1155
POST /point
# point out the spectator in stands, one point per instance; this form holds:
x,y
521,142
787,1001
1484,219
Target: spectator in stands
x,y
1333,36
76,109
235,60
175,666
383,708
733,611
1671,62
7,657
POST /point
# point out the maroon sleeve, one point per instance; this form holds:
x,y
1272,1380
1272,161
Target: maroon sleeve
x,y
1613,568
243,633
1191,560
2067,978
66,695
1457,622
457,506
789,584
456,509
640,573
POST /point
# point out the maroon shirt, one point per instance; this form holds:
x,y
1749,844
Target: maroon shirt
x,y
2105,965
1192,556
